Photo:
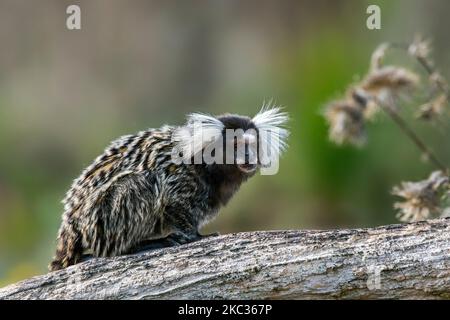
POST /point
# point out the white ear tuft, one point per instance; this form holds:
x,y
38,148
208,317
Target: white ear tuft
x,y
200,131
271,122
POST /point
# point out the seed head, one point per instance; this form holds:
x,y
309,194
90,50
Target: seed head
x,y
388,82
346,121
422,199
419,48
433,109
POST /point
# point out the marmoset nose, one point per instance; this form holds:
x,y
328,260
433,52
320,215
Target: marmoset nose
x,y
247,154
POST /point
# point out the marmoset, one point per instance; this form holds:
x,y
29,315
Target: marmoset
x,y
159,184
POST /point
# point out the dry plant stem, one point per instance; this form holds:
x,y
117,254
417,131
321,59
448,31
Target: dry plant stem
x,y
413,136
429,68
426,65
402,124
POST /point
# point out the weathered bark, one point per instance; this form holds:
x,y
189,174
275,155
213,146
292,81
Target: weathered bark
x,y
397,261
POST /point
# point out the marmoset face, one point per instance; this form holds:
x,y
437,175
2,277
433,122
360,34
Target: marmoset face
x,y
233,141
240,137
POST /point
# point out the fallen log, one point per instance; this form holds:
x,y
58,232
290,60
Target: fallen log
x,y
408,261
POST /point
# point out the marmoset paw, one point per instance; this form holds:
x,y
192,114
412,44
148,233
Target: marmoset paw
x,y
178,237
209,235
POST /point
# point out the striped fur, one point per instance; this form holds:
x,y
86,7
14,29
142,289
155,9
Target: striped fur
x,y
134,192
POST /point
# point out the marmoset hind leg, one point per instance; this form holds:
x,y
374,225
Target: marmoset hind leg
x,y
183,225
122,219
112,222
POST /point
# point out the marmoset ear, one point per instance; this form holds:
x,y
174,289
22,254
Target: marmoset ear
x,y
200,131
271,122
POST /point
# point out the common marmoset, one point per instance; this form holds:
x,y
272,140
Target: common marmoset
x,y
138,190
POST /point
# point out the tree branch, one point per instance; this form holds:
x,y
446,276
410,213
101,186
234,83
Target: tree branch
x,y
396,261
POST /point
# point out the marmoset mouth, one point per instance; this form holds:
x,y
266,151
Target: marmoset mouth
x,y
247,167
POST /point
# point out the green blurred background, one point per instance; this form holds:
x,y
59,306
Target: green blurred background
x,y
64,95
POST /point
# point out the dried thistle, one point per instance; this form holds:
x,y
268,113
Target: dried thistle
x,y
433,109
438,81
383,84
387,83
365,101
346,121
380,90
378,56
422,199
420,48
